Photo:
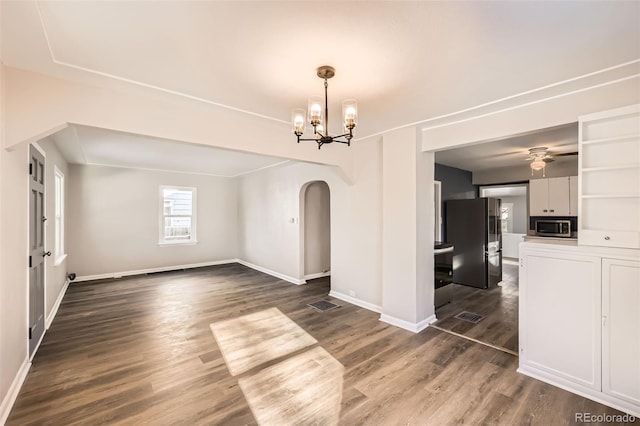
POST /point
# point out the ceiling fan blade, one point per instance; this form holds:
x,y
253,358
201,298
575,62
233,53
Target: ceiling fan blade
x,y
548,160
564,154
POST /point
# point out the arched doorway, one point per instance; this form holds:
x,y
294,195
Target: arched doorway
x,y
316,230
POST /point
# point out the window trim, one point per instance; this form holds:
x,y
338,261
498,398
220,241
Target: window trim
x,y
58,216
161,216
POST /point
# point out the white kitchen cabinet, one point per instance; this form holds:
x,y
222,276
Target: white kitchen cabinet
x,y
579,322
621,329
560,307
538,197
609,178
551,197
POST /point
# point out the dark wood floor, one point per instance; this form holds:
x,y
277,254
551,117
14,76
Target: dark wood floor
x,y
139,350
498,305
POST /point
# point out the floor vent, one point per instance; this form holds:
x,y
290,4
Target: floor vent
x,y
323,305
469,317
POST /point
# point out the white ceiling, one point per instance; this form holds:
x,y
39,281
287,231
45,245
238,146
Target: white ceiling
x,y
90,145
512,151
405,61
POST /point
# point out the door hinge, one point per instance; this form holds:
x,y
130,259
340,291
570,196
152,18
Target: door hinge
x,y
30,262
30,333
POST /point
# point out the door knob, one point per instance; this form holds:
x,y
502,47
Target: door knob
x,y
46,253
44,219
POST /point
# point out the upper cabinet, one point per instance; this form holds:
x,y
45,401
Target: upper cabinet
x,y
609,176
553,197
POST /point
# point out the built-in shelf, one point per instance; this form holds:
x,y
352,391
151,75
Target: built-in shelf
x,y
609,173
595,196
606,168
612,139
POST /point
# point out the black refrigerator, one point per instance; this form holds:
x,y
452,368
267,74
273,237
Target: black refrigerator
x,y
474,228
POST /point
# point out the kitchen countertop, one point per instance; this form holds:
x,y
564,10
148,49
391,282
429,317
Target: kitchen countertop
x,y
550,245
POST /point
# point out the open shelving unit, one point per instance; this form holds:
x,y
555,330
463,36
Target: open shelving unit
x,y
609,178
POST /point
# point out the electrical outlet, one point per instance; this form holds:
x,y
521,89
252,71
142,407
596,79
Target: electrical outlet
x,y
352,293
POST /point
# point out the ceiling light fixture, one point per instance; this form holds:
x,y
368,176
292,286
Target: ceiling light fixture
x,y
316,114
538,155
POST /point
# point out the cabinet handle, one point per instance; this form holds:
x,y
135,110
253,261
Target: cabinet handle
x,y
606,237
545,210
552,211
604,320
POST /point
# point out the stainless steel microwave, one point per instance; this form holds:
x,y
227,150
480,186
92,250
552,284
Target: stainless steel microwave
x,y
553,228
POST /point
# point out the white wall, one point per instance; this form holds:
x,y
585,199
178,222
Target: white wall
x,y
317,228
114,220
269,199
55,275
407,230
553,106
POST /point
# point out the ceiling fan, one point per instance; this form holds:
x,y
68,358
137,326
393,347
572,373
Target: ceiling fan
x,y
540,156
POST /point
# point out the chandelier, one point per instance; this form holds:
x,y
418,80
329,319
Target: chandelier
x,y
319,117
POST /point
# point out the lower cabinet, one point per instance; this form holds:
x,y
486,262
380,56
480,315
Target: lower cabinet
x,y
579,321
621,329
560,307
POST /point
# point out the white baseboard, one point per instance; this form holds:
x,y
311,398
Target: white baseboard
x,y
56,305
14,390
152,270
357,302
581,390
318,275
270,272
414,327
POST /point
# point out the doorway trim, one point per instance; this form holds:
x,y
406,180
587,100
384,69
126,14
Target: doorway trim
x,y
301,227
437,232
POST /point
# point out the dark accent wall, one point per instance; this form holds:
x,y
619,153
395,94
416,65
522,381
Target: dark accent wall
x,y
456,184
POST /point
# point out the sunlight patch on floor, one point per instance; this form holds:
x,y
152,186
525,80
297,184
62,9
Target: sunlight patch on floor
x,y
305,388
252,340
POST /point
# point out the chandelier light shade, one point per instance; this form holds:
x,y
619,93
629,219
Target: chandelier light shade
x,y
317,115
298,122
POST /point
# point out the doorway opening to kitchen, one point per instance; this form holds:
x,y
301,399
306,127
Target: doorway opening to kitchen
x,y
486,310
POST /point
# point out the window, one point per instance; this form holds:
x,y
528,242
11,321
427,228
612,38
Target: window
x,y
59,215
177,215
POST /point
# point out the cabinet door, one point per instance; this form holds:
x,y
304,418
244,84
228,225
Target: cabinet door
x,y
559,196
560,314
573,195
621,329
539,197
